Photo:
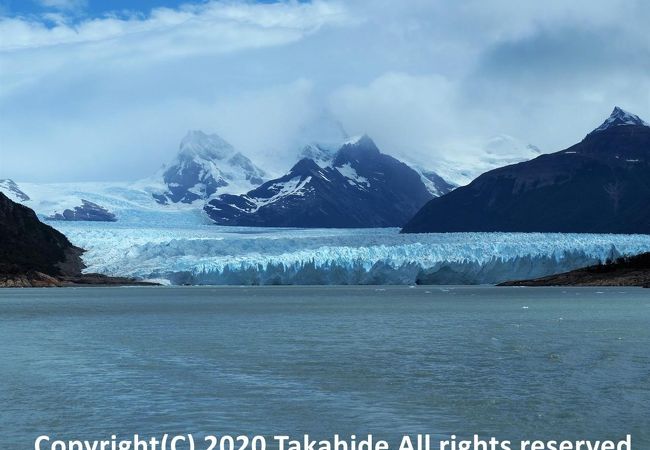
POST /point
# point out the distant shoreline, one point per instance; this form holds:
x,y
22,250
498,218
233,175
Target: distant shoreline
x,y
41,280
627,271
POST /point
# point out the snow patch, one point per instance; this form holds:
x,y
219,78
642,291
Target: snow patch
x,y
320,154
294,187
352,140
351,174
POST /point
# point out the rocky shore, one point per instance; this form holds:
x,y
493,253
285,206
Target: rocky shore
x,y
39,279
629,271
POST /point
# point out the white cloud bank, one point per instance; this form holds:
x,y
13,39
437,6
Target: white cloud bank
x,y
110,97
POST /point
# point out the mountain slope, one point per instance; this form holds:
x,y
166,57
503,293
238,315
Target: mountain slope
x,y
204,165
600,185
362,187
324,155
434,183
27,245
13,191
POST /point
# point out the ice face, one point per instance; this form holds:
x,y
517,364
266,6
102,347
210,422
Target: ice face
x,y
203,254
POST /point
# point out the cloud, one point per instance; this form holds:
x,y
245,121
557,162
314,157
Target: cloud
x,y
115,95
407,115
130,143
219,24
110,97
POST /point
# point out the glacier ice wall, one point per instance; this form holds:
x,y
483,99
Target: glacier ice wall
x,y
204,254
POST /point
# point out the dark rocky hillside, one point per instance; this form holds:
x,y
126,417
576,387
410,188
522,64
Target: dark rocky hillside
x,y
600,185
27,244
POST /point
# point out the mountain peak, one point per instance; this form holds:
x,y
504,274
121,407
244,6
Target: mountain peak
x,y
360,140
205,146
620,117
205,164
305,166
360,188
361,147
320,154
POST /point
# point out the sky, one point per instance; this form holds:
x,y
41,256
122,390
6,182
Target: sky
x,y
100,90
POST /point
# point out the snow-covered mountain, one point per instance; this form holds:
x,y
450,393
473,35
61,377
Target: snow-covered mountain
x,y
320,138
11,190
360,187
205,165
620,117
498,151
324,154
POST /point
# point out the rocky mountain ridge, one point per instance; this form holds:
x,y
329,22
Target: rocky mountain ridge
x,y
360,187
599,185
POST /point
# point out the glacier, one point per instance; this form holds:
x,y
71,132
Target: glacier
x,y
189,251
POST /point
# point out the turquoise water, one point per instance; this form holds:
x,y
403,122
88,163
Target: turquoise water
x,y
510,362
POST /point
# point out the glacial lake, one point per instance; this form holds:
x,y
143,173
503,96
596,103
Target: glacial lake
x,y
548,363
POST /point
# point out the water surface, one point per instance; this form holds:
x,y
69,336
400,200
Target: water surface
x,y
510,362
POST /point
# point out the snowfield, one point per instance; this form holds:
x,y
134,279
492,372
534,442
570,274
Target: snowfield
x,y
132,202
185,250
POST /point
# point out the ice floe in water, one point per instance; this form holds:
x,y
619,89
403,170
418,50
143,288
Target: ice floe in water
x,y
205,254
